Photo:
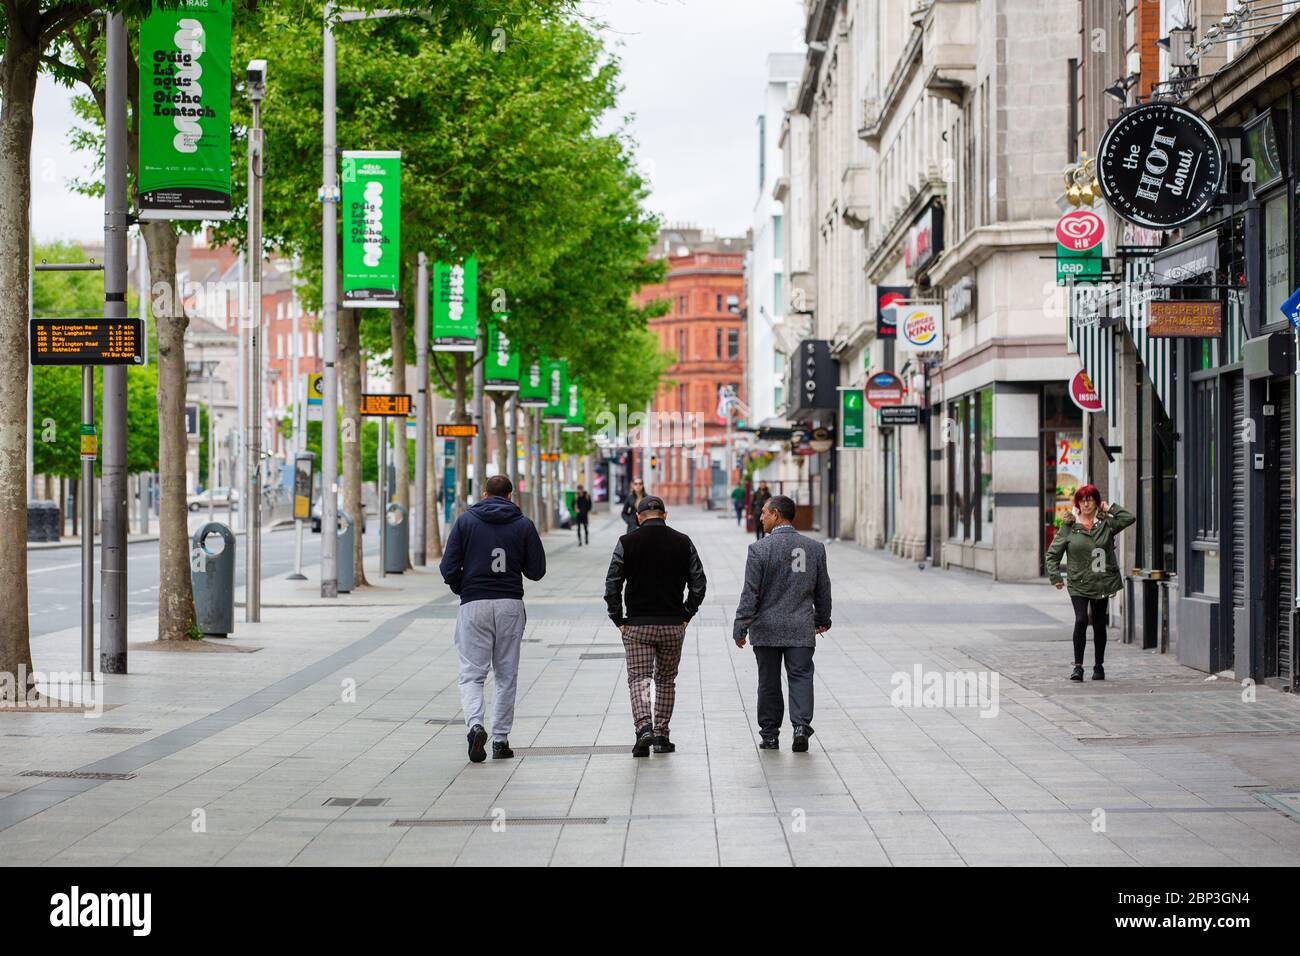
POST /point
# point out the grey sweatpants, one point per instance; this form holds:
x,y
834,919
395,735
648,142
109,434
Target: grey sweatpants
x,y
490,634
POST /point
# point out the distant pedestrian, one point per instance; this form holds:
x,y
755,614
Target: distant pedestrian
x,y
581,509
756,502
491,548
1091,570
738,502
630,502
784,605
655,565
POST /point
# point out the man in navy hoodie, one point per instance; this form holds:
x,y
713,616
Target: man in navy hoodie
x,y
491,548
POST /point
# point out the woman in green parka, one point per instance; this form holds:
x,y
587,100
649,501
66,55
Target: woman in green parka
x,y
1088,545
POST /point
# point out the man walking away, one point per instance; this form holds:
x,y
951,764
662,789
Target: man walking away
x,y
630,503
760,497
581,509
654,564
491,548
738,502
785,604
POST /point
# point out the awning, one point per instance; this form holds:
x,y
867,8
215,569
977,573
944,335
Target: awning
x,y
1186,261
775,429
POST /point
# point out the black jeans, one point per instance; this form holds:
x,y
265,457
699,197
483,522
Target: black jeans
x,y
799,673
1083,609
580,522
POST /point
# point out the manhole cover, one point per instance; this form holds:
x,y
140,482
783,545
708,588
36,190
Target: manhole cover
x,y
601,657
120,730
77,775
507,821
570,751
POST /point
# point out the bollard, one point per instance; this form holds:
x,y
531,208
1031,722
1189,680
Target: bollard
x,y
396,541
212,579
347,562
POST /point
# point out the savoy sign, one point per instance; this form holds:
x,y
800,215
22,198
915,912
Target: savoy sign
x,y
1159,166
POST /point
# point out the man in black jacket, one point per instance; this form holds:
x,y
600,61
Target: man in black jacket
x,y
581,509
654,563
491,549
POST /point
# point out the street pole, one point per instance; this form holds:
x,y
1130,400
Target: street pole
x,y
240,466
421,408
142,274
329,574
383,495
212,444
87,503
112,552
253,497
476,411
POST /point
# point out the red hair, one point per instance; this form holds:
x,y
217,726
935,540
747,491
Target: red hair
x,y
1087,491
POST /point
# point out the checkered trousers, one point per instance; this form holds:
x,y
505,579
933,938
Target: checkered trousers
x,y
654,652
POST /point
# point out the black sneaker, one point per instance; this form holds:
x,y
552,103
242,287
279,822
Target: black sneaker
x,y
1099,673
800,743
1077,673
663,745
769,743
477,737
644,738
501,750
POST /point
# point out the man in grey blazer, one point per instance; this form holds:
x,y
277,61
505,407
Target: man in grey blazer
x,y
785,604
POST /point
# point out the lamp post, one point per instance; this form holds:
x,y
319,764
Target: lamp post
x,y
253,467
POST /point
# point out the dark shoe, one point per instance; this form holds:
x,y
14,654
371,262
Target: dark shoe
x,y
800,744
644,738
1077,673
1099,673
663,745
501,750
769,743
477,744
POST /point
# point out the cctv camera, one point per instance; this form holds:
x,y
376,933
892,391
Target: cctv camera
x,y
256,79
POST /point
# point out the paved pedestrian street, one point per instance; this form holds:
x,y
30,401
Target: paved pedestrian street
x,y
336,738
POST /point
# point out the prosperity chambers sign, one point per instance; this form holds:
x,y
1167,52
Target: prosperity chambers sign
x,y
185,112
1160,166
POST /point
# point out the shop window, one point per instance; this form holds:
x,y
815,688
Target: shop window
x,y
1062,437
1203,487
984,406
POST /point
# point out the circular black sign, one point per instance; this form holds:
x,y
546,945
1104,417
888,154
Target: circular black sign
x,y
1159,166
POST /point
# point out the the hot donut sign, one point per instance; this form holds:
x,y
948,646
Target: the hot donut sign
x,y
920,328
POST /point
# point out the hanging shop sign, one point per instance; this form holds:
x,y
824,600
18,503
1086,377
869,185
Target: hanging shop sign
x,y
372,220
884,388
184,117
534,390
920,328
100,341
961,298
381,403
315,388
887,299
1160,166
556,411
893,415
455,306
1078,246
814,375
501,361
821,440
924,240
1198,318
1262,162
1082,392
852,418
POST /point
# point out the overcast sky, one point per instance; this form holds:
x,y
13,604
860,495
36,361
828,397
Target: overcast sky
x,y
693,75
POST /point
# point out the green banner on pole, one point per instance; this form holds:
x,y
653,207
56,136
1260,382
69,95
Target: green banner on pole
x,y
534,388
557,396
372,229
455,306
185,112
852,418
501,363
575,412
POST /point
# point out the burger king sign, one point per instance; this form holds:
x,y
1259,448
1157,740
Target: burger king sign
x,y
920,328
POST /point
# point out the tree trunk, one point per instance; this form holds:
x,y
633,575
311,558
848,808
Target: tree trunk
x,y
350,363
461,415
175,597
432,502
17,93
401,471
499,400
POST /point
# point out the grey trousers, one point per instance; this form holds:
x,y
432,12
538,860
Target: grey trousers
x,y
799,673
489,634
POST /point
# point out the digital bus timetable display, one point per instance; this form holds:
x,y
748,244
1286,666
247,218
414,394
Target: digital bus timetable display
x,y
381,404
57,341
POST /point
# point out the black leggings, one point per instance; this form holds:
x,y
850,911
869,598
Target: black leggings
x,y
1083,607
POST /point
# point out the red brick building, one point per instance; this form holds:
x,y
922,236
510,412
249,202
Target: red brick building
x,y
704,328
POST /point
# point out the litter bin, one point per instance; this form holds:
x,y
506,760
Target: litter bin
x,y
346,553
212,579
396,539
